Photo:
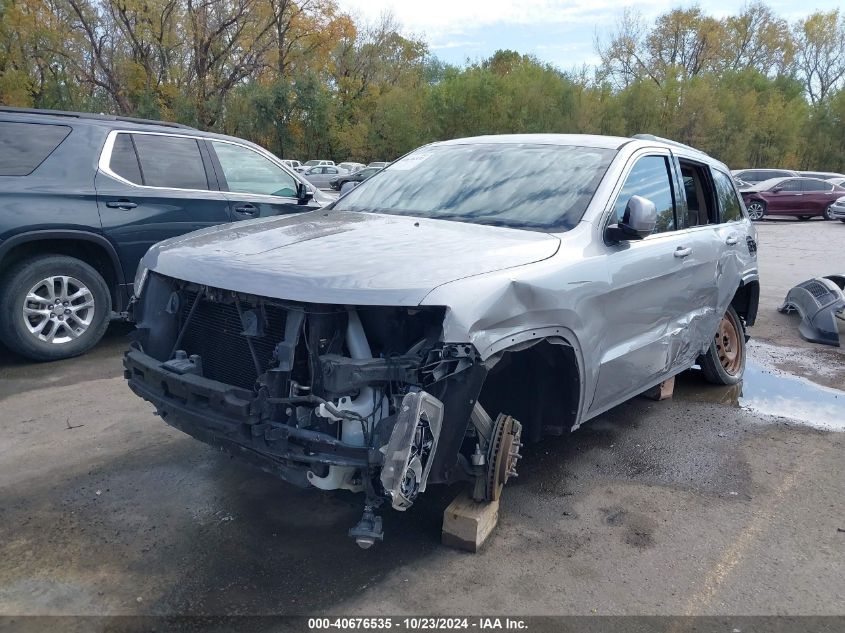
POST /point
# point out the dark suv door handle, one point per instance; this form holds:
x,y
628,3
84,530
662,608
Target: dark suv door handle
x,y
121,204
683,252
246,209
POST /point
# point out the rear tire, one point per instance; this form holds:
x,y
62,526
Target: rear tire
x,y
53,307
724,361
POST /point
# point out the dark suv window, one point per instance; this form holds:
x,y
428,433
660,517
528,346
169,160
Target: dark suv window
x,y
729,207
170,161
24,146
124,160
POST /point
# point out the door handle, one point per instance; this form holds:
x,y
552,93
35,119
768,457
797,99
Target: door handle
x,y
246,209
731,241
683,252
121,204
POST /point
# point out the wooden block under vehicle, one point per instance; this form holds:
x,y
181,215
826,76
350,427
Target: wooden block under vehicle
x,y
468,523
662,391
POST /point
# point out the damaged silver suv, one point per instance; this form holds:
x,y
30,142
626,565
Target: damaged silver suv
x,y
475,294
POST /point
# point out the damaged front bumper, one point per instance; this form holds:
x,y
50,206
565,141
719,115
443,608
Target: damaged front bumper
x,y
368,398
231,418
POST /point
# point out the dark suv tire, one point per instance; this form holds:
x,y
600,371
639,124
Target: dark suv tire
x,y
53,307
724,361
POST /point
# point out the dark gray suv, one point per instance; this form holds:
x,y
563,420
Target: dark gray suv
x,y
82,198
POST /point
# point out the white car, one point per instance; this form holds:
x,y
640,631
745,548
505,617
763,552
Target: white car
x,y
351,167
293,164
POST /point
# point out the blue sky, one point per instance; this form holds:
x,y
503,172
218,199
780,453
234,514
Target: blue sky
x,y
562,33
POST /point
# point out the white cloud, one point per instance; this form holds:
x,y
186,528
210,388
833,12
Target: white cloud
x,y
455,44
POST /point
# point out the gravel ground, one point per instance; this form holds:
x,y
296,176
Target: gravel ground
x,y
703,504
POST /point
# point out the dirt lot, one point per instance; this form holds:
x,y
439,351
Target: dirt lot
x,y
704,504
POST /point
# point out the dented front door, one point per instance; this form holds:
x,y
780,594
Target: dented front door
x,y
661,295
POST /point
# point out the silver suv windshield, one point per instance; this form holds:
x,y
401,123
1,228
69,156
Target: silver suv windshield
x,y
518,185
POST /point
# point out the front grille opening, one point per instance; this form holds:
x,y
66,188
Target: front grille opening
x,y
214,333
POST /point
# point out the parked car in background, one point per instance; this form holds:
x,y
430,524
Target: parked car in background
x,y
351,167
824,175
839,182
837,210
379,164
82,198
802,197
293,164
476,294
322,175
753,176
313,163
357,177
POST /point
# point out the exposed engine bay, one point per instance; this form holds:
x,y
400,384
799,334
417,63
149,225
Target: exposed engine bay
x,y
362,398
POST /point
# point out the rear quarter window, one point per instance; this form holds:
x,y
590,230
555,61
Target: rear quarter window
x,y
24,146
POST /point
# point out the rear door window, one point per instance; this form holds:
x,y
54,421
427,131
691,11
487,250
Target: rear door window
x,y
24,146
816,185
730,209
173,162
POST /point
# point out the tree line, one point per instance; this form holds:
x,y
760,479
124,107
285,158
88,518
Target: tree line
x,y
305,79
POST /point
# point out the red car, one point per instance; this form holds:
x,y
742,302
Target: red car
x,y
801,197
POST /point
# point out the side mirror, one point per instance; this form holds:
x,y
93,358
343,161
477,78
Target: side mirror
x,y
638,221
303,194
777,189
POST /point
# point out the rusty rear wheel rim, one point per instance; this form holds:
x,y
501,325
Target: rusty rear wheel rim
x,y
728,347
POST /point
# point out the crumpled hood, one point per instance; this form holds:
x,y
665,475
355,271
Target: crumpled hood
x,y
341,257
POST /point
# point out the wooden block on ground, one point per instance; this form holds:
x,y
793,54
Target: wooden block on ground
x,y
662,391
468,523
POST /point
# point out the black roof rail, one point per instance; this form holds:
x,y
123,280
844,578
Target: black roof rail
x,y
94,115
652,137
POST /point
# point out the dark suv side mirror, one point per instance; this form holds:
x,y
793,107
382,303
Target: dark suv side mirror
x,y
303,195
638,221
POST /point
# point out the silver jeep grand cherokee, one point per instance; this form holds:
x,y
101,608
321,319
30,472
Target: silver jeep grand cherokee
x,y
475,294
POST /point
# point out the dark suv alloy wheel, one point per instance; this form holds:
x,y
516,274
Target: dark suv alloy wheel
x,y
53,307
756,209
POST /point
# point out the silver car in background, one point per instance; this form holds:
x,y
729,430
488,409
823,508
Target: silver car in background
x,y
322,175
837,209
474,295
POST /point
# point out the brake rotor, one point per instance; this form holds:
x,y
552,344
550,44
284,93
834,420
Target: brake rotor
x,y
502,455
